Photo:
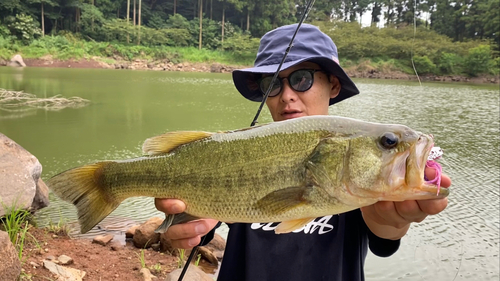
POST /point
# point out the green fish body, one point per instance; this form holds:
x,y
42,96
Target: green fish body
x,y
289,171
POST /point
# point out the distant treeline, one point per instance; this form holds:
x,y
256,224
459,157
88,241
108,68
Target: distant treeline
x,y
442,37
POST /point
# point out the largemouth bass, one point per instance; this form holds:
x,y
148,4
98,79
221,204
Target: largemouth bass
x,y
289,171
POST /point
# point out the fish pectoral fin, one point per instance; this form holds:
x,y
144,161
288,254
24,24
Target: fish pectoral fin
x,y
167,142
174,219
289,226
282,200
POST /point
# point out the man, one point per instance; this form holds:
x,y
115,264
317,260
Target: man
x,y
330,247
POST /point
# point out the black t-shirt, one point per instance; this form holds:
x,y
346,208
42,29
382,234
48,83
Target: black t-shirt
x,y
329,248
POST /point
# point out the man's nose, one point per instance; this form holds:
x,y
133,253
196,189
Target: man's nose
x,y
287,93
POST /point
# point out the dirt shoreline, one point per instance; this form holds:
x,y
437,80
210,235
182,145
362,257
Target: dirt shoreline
x,y
140,64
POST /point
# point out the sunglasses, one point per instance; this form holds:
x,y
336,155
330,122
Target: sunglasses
x,y
300,80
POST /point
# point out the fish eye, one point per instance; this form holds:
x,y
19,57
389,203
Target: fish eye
x,y
389,140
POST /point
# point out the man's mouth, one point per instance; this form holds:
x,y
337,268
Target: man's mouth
x,y
289,114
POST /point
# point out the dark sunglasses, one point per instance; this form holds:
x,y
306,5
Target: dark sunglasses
x,y
300,80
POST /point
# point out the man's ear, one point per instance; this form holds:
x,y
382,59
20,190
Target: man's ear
x,y
335,90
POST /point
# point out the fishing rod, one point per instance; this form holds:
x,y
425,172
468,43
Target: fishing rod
x,y
290,45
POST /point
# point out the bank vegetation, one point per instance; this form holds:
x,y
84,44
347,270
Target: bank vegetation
x,y
431,37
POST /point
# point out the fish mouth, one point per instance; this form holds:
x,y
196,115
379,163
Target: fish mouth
x,y
416,163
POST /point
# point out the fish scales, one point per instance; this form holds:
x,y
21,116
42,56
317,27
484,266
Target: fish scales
x,y
290,171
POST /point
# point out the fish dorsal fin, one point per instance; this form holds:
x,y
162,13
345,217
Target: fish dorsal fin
x,y
167,142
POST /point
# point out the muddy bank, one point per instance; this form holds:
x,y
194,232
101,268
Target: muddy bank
x,y
165,65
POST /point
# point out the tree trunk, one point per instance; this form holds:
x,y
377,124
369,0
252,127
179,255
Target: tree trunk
x,y
223,19
92,20
43,23
248,20
200,5
128,17
175,7
139,24
133,16
211,8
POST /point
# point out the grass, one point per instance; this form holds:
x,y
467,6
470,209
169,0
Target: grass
x,y
181,258
59,228
16,224
142,259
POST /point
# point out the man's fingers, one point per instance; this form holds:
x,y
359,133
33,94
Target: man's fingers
x,y
170,206
433,206
187,235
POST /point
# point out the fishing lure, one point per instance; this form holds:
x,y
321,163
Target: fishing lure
x,y
436,153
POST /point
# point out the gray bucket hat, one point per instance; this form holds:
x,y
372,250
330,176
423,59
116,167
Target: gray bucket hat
x,y
310,44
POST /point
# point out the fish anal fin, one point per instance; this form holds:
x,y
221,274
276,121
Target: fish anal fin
x,y
174,219
167,142
289,226
283,200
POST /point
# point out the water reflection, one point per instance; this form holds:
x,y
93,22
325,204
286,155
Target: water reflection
x,y
462,243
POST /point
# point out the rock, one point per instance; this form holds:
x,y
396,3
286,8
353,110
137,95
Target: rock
x,y
16,61
34,264
218,243
65,260
10,266
103,239
64,273
146,274
166,246
208,255
193,273
116,246
145,234
21,186
155,246
131,231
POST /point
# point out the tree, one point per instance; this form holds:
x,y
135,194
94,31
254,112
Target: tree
x,y
42,13
200,6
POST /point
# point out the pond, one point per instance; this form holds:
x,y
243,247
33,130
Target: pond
x,y
127,107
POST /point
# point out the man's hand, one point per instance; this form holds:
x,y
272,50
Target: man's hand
x,y
184,235
391,220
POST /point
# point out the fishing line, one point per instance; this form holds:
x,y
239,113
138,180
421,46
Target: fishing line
x,y
190,258
413,41
290,45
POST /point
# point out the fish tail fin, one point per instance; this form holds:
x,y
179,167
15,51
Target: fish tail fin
x,y
83,188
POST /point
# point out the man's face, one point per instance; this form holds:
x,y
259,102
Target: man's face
x,y
290,104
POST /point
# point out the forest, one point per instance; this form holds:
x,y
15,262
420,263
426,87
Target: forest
x,y
441,37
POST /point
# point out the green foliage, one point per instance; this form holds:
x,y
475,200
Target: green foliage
x,y
23,27
495,69
242,46
478,60
91,21
424,65
450,63
181,258
118,31
15,223
142,259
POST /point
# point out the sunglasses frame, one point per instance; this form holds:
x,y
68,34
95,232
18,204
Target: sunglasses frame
x,y
280,81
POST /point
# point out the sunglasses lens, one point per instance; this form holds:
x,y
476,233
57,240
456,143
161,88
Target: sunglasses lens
x,y
264,85
301,80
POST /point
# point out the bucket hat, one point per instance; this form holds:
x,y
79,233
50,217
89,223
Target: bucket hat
x,y
310,44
